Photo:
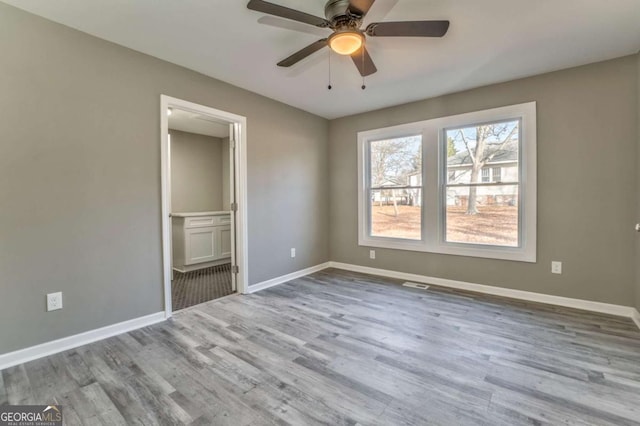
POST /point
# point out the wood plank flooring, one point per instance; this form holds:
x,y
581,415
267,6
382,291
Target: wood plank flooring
x,y
344,348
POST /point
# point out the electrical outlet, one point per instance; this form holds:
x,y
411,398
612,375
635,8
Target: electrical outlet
x,y
556,267
293,252
54,301
372,254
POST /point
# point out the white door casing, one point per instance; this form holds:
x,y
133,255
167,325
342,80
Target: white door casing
x,y
238,191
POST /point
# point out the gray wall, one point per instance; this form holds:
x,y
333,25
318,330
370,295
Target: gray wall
x,y
587,139
637,218
80,179
196,172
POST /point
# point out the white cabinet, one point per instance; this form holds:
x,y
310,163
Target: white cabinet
x,y
224,238
200,240
200,245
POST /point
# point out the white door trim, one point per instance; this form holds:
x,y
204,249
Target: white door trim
x,y
240,170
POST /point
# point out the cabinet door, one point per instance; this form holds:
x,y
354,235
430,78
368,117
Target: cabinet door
x,y
200,245
224,241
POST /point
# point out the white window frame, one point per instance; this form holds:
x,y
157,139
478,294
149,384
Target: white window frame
x,y
493,174
434,179
488,174
368,226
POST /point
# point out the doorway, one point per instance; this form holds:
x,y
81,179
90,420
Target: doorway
x,y
204,226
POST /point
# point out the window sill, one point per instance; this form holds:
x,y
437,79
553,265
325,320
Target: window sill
x,y
486,252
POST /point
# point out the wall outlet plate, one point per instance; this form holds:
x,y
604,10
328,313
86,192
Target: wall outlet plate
x,y
293,252
556,267
54,301
372,254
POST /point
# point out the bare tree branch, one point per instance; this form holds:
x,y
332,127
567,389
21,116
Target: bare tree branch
x,y
466,144
502,144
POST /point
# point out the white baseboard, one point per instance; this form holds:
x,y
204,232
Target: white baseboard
x,y
49,348
587,305
285,278
636,317
21,356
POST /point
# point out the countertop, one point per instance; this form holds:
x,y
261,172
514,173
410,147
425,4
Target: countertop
x,y
197,214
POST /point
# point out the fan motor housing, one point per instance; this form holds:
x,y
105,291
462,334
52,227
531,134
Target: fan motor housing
x,y
335,9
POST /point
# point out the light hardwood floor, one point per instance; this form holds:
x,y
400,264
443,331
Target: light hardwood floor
x,y
344,348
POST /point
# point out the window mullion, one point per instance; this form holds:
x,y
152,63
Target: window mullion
x,y
431,180
465,185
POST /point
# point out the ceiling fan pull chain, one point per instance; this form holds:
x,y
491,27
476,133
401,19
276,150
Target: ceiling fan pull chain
x,y
363,73
329,86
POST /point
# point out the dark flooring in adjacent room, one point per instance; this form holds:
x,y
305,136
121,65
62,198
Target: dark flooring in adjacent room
x,y
342,348
193,288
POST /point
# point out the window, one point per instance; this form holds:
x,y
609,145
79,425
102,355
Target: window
x,y
395,190
481,211
461,185
496,173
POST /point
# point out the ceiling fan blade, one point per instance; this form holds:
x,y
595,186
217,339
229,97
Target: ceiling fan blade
x,y
360,7
287,24
285,12
364,64
303,53
380,11
408,29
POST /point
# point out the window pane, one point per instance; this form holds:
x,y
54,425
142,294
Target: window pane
x,y
473,151
485,153
396,162
497,174
396,213
485,175
495,221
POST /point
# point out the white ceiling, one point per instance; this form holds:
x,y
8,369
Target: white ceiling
x,y
489,41
198,124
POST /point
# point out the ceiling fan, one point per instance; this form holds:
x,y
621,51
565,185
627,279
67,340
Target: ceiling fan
x,y
345,18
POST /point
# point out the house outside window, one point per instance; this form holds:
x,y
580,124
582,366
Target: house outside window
x,y
462,185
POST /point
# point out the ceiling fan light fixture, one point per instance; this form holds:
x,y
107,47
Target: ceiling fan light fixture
x,y
346,42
